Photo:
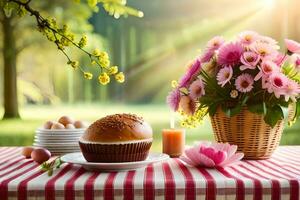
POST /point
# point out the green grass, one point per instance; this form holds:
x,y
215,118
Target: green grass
x,y
21,132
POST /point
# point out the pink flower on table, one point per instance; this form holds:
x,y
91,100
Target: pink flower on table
x,y
249,60
224,75
197,89
292,46
173,99
230,54
188,105
267,68
248,37
276,83
291,90
191,73
244,83
209,154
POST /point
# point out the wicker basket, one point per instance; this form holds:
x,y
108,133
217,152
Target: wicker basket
x,y
255,138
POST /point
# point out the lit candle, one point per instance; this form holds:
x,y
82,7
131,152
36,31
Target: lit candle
x,y
173,140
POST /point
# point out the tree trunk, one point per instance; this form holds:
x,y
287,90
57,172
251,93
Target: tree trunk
x,y
10,70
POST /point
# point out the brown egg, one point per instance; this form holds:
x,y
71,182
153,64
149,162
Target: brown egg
x,y
26,151
57,126
48,124
80,124
70,126
40,155
66,120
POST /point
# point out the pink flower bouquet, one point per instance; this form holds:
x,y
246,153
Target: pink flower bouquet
x,y
211,155
249,71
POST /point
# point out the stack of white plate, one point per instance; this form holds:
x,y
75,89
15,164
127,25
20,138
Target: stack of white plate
x,y
58,141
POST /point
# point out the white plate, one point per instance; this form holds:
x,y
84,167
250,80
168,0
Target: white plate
x,y
77,158
70,144
60,130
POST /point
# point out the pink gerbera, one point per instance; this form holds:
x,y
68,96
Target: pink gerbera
x,y
229,54
173,99
224,75
197,89
249,60
207,55
267,68
264,50
291,90
212,45
276,83
244,83
191,73
187,105
292,46
215,43
248,37
269,41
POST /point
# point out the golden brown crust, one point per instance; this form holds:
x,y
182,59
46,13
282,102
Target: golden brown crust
x,y
118,128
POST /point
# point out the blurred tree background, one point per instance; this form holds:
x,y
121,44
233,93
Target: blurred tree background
x,y
152,51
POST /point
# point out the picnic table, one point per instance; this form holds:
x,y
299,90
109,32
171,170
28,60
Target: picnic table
x,y
275,178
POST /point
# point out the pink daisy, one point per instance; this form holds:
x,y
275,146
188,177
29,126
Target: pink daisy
x,y
264,50
224,75
267,68
187,105
270,41
276,83
249,60
244,83
197,89
211,46
292,46
207,55
291,90
173,99
215,43
191,73
279,59
229,54
248,37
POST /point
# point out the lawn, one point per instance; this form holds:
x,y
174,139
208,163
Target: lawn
x,y
21,132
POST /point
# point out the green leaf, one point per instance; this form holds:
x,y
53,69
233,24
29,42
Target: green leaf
x,y
212,109
274,114
297,113
285,111
259,108
230,112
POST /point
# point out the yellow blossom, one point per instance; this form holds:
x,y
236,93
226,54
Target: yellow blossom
x,y
105,63
174,84
74,64
120,77
93,62
96,52
88,75
113,70
83,41
103,55
103,78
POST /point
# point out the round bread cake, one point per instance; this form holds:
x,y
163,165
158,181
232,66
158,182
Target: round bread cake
x,y
117,138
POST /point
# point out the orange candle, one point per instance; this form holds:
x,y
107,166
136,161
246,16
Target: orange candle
x,y
173,142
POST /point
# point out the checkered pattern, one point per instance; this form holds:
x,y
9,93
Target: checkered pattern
x,y
276,178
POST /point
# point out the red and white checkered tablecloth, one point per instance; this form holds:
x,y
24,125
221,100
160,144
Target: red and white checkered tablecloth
x,y
276,178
